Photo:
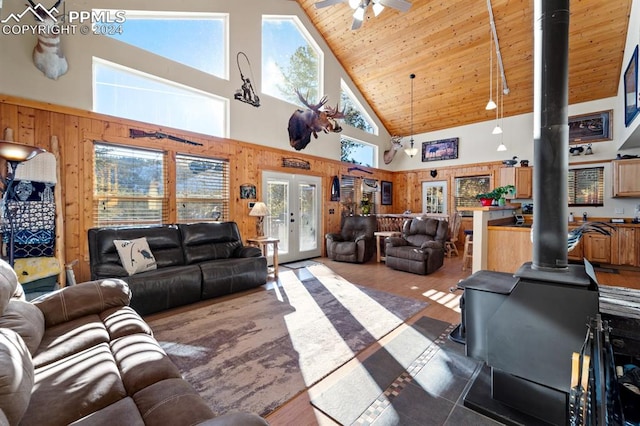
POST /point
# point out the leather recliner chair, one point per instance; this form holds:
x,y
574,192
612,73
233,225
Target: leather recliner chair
x,y
420,250
355,243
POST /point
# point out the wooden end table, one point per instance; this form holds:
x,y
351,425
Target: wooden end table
x,y
383,234
263,244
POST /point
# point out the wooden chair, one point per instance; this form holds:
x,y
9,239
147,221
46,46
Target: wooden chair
x,y
454,228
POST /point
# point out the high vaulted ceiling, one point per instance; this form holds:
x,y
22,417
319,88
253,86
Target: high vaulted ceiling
x,y
446,43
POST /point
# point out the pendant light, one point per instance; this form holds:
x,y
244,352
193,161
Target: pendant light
x,y
497,130
502,146
490,105
411,151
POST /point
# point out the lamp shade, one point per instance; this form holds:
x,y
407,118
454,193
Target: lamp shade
x,y
16,152
259,209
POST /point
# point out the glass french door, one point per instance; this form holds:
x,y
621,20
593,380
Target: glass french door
x,y
294,214
434,197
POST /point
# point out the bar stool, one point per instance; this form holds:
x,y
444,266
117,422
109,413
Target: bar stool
x,y
467,257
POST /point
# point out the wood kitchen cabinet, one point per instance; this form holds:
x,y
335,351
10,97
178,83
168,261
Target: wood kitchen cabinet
x,y
626,178
521,178
625,247
597,248
577,253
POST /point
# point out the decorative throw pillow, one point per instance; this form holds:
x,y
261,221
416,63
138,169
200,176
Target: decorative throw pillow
x,y
135,255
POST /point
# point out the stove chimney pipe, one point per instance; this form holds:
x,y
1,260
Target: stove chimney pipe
x,y
550,134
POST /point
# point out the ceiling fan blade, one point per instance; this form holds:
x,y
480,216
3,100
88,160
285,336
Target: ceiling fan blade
x,y
401,5
356,24
326,3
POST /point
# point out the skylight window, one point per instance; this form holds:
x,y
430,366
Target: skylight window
x,y
127,93
197,40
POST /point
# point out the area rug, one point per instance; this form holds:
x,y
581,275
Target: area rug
x,y
257,351
416,378
300,264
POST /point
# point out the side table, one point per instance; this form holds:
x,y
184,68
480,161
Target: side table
x,y
263,244
381,235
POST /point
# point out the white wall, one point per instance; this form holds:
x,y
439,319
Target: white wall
x,y
266,125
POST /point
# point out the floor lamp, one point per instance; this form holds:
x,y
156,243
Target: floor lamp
x,y
14,154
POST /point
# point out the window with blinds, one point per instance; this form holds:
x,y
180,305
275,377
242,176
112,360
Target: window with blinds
x,y
356,192
586,186
128,186
202,189
466,189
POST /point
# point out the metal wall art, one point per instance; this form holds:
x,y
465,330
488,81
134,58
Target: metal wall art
x,y
246,93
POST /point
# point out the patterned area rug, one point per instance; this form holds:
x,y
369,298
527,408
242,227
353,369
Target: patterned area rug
x,y
257,351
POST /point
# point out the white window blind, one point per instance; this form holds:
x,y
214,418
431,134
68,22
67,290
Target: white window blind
x,y
586,187
202,189
128,186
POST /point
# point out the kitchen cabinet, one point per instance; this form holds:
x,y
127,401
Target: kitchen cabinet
x,y
577,253
521,178
597,248
626,178
626,246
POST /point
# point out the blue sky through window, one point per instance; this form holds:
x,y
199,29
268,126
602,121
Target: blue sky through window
x,y
195,42
122,92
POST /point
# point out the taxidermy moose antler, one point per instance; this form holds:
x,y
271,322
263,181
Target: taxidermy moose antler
x,y
47,54
303,124
396,145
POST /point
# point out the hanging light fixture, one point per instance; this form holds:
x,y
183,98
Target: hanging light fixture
x,y
490,105
497,130
411,151
502,146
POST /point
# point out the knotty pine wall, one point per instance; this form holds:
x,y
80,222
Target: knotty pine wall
x,y
34,123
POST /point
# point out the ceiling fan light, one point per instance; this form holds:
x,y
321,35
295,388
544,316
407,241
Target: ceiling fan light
x,y
377,9
502,147
353,4
497,130
491,105
359,14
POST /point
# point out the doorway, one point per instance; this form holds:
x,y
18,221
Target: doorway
x,y
434,197
294,214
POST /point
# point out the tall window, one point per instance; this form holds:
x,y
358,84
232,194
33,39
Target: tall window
x,y
357,152
179,36
124,92
354,112
586,187
290,60
128,186
202,189
466,189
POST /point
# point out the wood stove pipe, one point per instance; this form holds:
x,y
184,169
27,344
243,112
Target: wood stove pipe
x,y
550,134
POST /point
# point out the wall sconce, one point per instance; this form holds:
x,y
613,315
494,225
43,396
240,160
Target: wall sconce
x,y
260,211
14,154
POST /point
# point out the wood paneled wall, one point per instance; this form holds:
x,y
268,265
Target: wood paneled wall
x,y
34,123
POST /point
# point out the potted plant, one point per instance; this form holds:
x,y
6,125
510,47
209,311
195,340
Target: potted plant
x,y
498,194
486,198
502,191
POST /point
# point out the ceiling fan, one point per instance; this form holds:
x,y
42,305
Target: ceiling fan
x,y
360,6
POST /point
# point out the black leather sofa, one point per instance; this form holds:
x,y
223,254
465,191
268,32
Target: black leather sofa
x,y
194,262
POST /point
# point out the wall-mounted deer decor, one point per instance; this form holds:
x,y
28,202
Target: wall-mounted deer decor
x,y
303,124
396,145
47,54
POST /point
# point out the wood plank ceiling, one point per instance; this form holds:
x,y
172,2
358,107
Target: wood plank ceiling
x,y
446,43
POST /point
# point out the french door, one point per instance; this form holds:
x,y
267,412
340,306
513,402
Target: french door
x,y
294,214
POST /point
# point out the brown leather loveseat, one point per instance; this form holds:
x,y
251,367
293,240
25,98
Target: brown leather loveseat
x,y
81,356
420,250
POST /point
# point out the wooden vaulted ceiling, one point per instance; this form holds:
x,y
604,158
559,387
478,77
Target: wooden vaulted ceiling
x,y
446,44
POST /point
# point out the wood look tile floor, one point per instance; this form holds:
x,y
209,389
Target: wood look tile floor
x,y
433,288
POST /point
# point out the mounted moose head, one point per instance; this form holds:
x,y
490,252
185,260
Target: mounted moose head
x,y
396,145
304,123
47,54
